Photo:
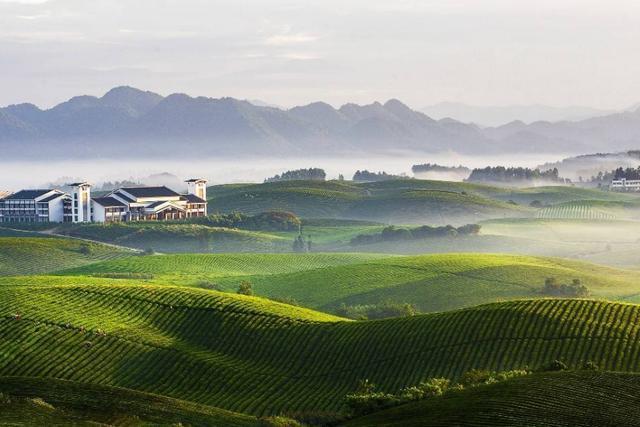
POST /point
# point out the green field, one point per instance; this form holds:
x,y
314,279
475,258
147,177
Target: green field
x,y
614,243
325,281
592,210
401,201
409,201
99,334
45,401
254,356
176,237
579,399
38,255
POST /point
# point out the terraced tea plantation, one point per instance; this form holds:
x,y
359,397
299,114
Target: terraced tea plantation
x,y
326,281
98,334
37,255
401,201
580,399
592,210
153,338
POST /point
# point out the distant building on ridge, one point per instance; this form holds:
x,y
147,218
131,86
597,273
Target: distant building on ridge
x,y
123,204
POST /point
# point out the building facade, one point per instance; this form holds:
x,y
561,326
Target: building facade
x,y
123,204
625,185
34,206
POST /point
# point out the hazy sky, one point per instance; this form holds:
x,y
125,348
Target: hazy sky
x,y
486,52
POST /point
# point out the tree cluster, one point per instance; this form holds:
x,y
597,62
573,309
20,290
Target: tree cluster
x,y
575,289
628,173
515,174
314,174
267,221
434,167
367,399
366,176
395,234
384,310
300,244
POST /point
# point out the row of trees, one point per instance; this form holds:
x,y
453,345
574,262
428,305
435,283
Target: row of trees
x,y
434,167
267,221
515,174
315,174
366,176
395,234
575,289
628,173
383,310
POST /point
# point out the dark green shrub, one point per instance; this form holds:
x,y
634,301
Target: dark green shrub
x,y
85,249
245,288
555,365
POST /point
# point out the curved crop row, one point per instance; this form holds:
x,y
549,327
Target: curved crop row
x,y
578,399
257,357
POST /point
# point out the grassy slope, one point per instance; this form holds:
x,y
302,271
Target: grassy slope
x,y
431,282
172,237
578,399
40,401
37,255
404,201
254,356
401,201
615,243
592,210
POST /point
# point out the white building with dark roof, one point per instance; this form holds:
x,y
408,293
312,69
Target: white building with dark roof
x,y
46,205
160,203
123,204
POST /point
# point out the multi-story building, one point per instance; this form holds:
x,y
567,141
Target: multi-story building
x,y
123,204
625,185
34,206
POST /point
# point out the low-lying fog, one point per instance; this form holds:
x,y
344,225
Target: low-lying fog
x,y
15,175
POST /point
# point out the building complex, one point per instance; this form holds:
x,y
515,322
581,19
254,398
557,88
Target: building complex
x,y
124,204
625,185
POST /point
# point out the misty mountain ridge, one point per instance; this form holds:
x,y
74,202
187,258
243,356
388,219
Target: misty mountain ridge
x,y
494,116
131,122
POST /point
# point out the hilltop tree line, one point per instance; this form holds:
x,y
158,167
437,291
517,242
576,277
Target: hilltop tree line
x,y
515,174
575,289
366,176
628,173
313,174
265,221
396,234
434,167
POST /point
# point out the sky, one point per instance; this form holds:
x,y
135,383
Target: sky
x,y
292,52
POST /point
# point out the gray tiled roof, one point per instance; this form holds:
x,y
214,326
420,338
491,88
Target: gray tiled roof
x,y
144,192
192,198
27,194
108,202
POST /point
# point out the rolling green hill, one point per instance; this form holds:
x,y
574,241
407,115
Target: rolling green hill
x,y
408,201
578,399
592,210
46,401
254,356
610,242
402,201
176,237
325,281
38,255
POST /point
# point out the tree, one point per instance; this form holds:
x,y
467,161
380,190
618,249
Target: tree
x,y
85,249
299,244
245,288
556,365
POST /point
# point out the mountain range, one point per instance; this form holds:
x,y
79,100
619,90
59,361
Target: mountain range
x,y
499,115
131,122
